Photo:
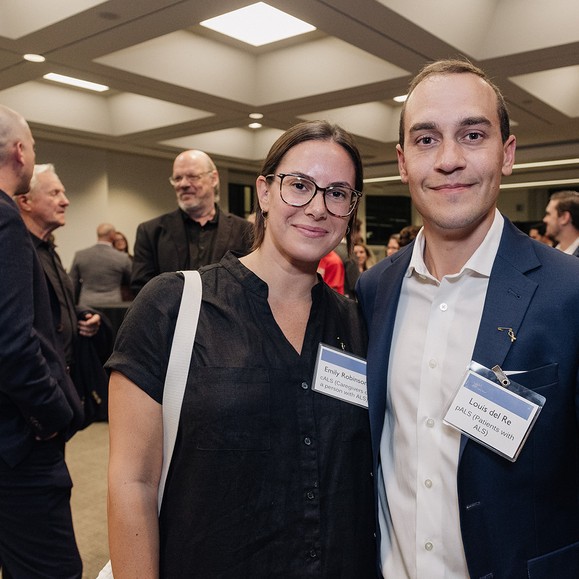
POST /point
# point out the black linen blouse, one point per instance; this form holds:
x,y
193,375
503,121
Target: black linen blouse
x,y
268,478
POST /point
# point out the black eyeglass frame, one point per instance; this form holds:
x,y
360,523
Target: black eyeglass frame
x,y
355,197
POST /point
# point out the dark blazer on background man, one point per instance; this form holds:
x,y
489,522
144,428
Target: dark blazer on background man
x,y
162,244
37,397
518,520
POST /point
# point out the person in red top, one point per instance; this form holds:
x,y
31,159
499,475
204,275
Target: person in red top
x,y
331,269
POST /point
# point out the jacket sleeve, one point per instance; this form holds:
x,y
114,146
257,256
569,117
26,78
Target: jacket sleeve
x,y
26,381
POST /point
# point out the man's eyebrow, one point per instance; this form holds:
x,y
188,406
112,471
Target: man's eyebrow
x,y
426,126
470,121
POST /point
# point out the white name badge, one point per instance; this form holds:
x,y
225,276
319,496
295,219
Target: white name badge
x,y
493,414
341,375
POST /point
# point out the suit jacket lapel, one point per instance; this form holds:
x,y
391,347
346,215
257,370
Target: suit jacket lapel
x,y
381,328
222,237
176,230
508,297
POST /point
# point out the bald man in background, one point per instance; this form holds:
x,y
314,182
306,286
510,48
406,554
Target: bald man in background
x,y
197,233
39,407
99,271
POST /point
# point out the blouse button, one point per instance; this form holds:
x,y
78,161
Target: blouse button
x,y
307,440
428,546
310,495
305,385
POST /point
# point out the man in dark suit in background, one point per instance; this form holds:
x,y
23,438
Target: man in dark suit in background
x,y
86,339
39,407
471,287
196,234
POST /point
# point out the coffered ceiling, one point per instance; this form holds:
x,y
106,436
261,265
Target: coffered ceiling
x,y
175,85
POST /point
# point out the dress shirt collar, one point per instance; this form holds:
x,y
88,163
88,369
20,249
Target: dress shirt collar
x,y
480,262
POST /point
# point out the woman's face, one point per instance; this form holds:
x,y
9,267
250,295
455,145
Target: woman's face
x,y
360,254
120,243
392,247
306,234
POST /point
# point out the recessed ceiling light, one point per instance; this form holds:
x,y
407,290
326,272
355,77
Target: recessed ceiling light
x,y
258,24
255,125
401,98
34,57
256,116
76,82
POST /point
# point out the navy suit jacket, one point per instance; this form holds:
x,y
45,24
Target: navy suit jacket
x,y
162,245
518,520
37,397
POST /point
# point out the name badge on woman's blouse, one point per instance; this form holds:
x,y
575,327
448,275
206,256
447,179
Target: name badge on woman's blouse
x,y
341,375
494,410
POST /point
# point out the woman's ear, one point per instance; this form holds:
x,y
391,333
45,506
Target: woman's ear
x,y
262,187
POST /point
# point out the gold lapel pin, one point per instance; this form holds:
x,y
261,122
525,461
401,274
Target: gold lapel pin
x,y
510,333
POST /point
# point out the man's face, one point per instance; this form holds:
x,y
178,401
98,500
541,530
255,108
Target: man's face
x,y
453,156
47,202
194,183
552,220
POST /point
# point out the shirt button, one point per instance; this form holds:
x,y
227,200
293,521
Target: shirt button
x,y
305,385
430,423
428,546
443,307
313,554
310,495
428,483
432,363
307,440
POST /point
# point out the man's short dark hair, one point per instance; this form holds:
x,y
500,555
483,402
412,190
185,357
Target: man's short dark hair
x,y
458,66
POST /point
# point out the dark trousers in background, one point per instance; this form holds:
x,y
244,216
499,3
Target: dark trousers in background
x,y
36,533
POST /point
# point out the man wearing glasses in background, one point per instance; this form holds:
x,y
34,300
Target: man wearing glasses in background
x,y
197,233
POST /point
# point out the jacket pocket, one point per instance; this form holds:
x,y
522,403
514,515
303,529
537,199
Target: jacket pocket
x,y
538,378
562,564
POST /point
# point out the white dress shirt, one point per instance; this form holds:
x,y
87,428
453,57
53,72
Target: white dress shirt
x,y
571,249
434,336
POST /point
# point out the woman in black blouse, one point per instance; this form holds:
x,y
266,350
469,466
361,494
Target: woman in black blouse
x,y
269,478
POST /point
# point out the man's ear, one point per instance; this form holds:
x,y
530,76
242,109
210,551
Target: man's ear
x,y
23,202
565,217
262,187
401,164
19,152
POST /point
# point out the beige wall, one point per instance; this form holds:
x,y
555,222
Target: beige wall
x,y
105,186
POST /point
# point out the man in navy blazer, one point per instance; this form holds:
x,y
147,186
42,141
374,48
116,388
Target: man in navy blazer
x,y
196,234
39,407
470,287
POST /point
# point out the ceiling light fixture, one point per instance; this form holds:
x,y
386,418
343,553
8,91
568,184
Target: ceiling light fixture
x,y
255,125
255,116
382,179
552,183
537,164
34,57
76,82
401,98
258,24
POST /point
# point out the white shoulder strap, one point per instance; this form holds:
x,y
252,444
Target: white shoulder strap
x,y
178,368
